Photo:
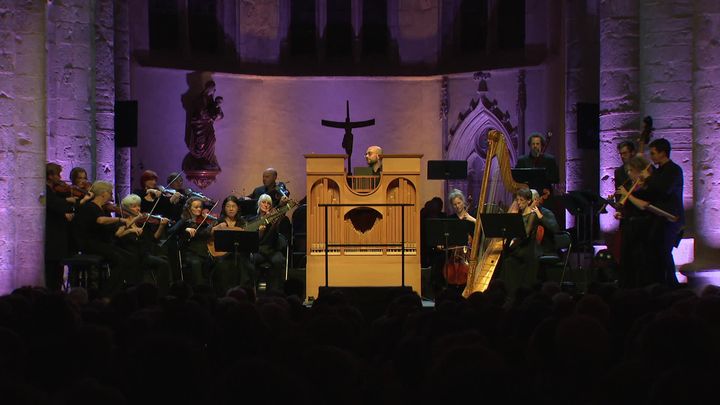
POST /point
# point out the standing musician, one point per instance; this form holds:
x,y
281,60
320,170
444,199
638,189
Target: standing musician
x,y
663,189
58,214
519,264
626,149
276,190
635,225
538,158
192,232
229,270
95,229
140,240
79,178
272,246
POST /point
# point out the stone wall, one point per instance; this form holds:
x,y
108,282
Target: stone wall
x,y
706,127
22,142
582,54
619,88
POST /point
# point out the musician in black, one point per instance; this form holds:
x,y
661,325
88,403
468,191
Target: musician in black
x,y
665,191
192,233
154,200
626,149
636,264
272,247
140,240
95,229
548,222
538,159
276,190
229,270
58,214
519,265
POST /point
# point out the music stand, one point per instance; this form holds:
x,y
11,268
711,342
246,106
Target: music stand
x,y
534,177
506,226
447,169
248,207
232,240
447,232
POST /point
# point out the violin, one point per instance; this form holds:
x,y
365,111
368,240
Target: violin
x,y
199,220
62,187
150,219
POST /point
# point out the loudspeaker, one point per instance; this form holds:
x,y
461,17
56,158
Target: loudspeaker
x,y
126,123
588,125
371,301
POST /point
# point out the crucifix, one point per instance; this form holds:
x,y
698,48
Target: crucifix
x,y
348,125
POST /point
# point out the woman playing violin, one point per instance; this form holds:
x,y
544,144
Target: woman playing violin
x,y
140,240
192,232
95,231
149,192
230,271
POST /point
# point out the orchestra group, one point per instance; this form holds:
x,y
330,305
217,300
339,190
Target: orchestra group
x,y
166,233
161,234
648,205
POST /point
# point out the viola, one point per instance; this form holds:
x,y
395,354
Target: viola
x,y
62,187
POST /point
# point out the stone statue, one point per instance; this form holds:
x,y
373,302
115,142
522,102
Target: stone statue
x,y
200,134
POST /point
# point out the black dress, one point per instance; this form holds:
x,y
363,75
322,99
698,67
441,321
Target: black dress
x,y
150,266
56,236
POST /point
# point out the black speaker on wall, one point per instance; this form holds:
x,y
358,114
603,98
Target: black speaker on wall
x,y
588,125
126,123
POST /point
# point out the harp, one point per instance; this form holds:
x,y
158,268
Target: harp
x,y
485,252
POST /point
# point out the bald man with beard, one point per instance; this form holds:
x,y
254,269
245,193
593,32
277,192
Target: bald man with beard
x,y
276,190
373,157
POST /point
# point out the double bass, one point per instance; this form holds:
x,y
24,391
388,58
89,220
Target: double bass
x,y
485,255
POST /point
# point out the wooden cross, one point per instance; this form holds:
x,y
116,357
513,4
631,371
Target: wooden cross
x,y
348,125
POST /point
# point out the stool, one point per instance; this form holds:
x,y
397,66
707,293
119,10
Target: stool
x,y
80,266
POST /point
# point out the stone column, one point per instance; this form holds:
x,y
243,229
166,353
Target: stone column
x,y
69,82
706,124
619,78
22,142
581,86
666,47
121,44
104,91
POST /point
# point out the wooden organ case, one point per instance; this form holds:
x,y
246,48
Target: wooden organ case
x,y
365,221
